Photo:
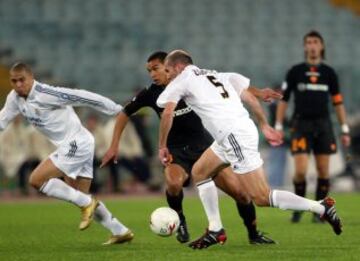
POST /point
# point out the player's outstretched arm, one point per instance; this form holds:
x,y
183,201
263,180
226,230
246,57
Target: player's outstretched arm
x,y
112,153
75,97
240,83
9,111
165,126
272,136
266,94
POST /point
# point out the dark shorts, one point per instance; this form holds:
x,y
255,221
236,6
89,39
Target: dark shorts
x,y
315,136
186,157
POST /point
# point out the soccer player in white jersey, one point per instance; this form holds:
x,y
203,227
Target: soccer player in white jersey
x,y
215,97
50,110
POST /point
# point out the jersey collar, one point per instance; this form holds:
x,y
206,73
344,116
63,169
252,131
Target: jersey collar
x,y
190,67
31,93
313,65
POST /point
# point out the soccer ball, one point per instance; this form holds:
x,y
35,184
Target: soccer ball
x,y
164,221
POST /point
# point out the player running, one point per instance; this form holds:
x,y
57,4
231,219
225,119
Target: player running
x,y
215,97
49,109
311,83
187,141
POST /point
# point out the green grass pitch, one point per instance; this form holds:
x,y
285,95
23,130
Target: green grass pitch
x,y
47,230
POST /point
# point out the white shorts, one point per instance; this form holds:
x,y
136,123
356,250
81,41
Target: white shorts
x,y
240,149
75,157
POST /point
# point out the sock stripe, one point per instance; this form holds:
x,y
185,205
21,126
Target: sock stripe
x,y
203,182
271,199
43,186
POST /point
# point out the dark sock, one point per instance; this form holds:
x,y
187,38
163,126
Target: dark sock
x,y
248,214
322,188
175,202
300,188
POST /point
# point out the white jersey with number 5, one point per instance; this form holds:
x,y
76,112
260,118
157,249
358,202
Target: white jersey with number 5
x,y
213,96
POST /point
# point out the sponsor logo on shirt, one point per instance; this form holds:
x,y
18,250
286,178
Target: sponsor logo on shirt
x,y
35,121
312,74
313,79
182,111
312,87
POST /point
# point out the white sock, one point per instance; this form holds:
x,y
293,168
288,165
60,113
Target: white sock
x,y
209,198
105,218
58,189
288,200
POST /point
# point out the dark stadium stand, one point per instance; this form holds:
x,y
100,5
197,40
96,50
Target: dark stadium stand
x,y
102,45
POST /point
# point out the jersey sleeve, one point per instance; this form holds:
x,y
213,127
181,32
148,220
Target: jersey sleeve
x,y
288,85
334,88
238,81
60,96
142,99
174,91
9,111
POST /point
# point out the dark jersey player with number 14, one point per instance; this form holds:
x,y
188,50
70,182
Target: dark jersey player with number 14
x,y
312,83
187,140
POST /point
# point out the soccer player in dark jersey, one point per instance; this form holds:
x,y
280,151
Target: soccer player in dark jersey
x,y
188,139
312,83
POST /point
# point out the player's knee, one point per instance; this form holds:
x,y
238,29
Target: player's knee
x,y
35,182
198,174
173,187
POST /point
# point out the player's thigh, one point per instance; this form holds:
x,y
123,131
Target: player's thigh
x,y
324,141
301,137
175,175
208,164
227,181
322,165
255,185
43,172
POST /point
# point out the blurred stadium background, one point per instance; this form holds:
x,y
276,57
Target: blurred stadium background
x,y
102,46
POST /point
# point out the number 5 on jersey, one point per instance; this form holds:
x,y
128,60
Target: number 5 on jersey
x,y
217,84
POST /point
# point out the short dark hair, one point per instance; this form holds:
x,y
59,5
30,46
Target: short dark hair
x,y
316,34
179,56
20,66
159,55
